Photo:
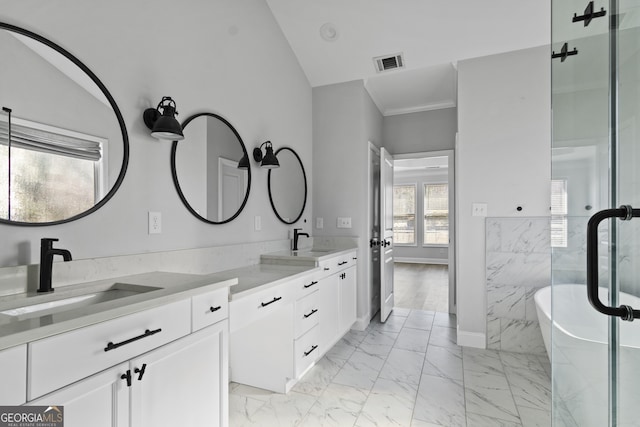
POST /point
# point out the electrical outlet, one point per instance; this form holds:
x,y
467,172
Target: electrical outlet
x,y
344,222
479,209
155,222
257,223
319,223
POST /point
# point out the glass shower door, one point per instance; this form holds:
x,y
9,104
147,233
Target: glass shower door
x,y
596,107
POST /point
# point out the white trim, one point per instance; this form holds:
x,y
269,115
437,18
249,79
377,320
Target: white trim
x,y
361,323
471,339
419,108
409,260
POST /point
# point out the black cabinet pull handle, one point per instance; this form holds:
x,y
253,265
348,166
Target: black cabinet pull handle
x,y
306,353
626,213
343,262
355,258
214,309
326,269
140,371
311,284
127,376
315,310
264,304
147,333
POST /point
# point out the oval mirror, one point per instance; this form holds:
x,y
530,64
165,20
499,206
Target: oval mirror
x,y
205,169
288,186
64,147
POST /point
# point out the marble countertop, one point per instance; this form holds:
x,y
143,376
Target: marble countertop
x,y
311,256
170,287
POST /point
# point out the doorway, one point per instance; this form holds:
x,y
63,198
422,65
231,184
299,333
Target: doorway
x,y
424,231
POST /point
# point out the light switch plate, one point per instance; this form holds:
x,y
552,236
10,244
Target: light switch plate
x,y
319,223
479,209
344,222
257,223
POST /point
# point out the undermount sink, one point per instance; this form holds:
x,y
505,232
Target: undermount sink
x,y
51,305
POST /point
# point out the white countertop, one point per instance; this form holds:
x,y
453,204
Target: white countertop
x,y
172,287
304,256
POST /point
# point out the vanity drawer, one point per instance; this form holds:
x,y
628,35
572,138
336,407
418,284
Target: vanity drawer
x,y
13,371
209,308
307,285
337,263
306,313
306,350
251,308
62,359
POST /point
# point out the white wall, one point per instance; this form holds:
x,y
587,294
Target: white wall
x,y
344,120
503,159
418,132
223,56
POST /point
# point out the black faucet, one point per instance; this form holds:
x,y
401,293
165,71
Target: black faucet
x,y
296,235
47,252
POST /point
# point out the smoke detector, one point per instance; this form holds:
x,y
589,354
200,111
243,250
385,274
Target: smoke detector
x,y
329,32
388,62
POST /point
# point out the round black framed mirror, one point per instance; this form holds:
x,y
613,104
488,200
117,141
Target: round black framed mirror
x,y
205,169
64,147
288,186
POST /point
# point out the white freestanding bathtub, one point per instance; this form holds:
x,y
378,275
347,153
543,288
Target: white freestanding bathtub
x,y
579,345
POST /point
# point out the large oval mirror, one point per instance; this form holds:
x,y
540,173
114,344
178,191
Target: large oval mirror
x,y
64,147
288,186
205,169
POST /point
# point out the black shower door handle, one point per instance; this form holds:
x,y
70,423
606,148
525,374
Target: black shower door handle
x,y
626,213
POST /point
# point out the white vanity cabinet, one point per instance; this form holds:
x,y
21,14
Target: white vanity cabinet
x,y
13,370
158,380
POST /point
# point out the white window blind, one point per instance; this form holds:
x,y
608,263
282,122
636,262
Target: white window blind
x,y
559,211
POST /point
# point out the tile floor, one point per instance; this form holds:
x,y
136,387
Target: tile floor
x,y
421,286
406,372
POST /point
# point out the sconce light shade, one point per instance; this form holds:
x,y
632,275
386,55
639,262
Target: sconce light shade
x,y
244,162
269,160
164,125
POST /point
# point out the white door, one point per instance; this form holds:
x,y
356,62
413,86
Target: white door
x,y
232,185
101,400
386,234
184,383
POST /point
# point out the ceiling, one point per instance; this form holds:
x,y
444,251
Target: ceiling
x,y
432,35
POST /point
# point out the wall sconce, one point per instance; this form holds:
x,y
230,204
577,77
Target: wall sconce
x,y
269,160
163,125
244,162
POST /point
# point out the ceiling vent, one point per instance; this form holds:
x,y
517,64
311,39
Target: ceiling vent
x,y
389,62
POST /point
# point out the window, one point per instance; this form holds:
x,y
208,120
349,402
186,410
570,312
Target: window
x,y
48,174
436,214
404,214
559,211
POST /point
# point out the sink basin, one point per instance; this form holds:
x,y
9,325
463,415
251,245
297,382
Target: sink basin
x,y
51,305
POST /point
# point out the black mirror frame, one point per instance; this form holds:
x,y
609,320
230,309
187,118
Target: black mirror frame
x,y
116,110
304,176
174,172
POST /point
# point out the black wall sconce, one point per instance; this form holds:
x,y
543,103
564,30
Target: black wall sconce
x,y
163,124
269,160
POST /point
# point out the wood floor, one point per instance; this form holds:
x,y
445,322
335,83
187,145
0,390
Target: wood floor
x,y
421,286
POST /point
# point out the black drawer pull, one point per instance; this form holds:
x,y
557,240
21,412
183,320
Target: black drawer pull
x,y
147,333
127,377
343,262
354,258
306,353
311,284
264,304
214,309
315,310
140,371
326,269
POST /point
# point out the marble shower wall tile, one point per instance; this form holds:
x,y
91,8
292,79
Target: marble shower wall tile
x,y
518,263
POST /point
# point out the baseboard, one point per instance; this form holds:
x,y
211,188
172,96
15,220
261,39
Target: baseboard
x,y
472,339
361,323
421,260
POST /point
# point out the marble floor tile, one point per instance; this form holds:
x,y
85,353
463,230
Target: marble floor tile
x,y
445,319
342,350
443,362
390,403
249,392
242,410
482,361
413,339
403,312
418,423
320,376
530,388
360,371
392,324
354,337
440,401
521,361
418,319
443,337
403,366
338,406
489,395
281,410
